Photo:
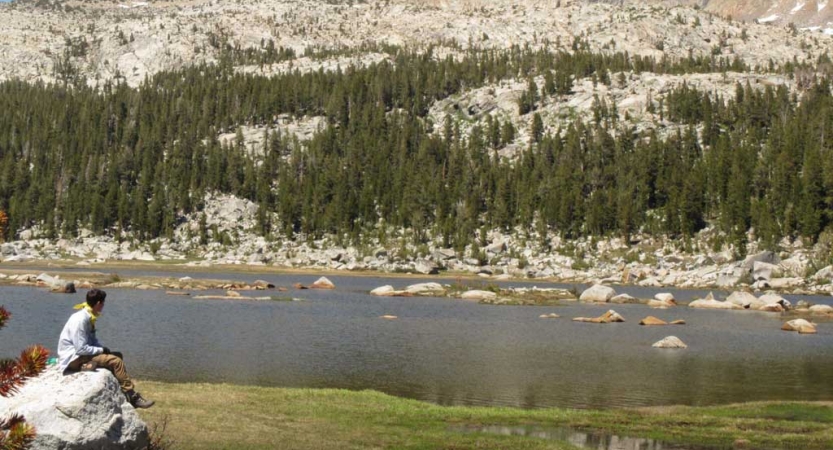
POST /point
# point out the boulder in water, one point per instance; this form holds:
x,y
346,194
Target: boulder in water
x,y
597,293
425,289
322,283
475,294
608,317
670,342
801,326
651,320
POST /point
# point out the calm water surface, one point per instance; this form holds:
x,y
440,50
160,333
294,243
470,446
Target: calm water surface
x,y
443,350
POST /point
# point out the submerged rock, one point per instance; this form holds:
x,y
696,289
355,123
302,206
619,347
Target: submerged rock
x,y
710,303
651,320
662,300
383,291
323,283
801,326
744,299
478,295
425,289
623,299
821,309
670,342
608,317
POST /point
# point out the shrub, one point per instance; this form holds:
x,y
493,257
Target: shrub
x,y
15,433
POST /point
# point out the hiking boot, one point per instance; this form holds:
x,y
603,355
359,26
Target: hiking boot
x,y
137,400
88,366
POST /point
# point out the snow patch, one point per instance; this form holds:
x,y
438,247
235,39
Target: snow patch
x,y
828,31
767,19
820,5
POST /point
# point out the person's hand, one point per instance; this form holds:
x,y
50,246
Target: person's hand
x,y
105,350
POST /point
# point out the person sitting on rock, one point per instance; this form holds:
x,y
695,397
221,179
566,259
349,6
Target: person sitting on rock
x,y
79,349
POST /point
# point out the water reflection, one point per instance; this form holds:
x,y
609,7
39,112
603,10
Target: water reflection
x,y
581,439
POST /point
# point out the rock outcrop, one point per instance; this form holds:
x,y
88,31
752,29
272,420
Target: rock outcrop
x,y
84,410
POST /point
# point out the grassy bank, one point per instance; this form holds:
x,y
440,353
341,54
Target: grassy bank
x,y
204,416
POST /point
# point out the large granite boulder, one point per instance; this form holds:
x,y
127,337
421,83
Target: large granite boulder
x,y
597,293
84,410
765,271
825,274
764,257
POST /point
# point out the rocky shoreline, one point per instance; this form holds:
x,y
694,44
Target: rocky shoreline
x,y
229,225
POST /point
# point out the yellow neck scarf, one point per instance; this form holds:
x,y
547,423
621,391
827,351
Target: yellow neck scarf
x,y
89,309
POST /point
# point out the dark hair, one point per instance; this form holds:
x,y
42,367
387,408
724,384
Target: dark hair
x,y
94,296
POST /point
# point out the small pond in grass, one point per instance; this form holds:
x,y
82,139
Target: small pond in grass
x,y
443,350
582,439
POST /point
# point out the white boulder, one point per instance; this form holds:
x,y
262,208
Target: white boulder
x,y
623,298
670,342
710,303
765,271
821,309
825,274
383,291
744,299
801,326
83,410
425,289
597,293
478,295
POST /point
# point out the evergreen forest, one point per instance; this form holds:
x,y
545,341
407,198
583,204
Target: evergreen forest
x,y
118,160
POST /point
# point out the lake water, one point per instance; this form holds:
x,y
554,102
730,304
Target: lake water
x,y
443,350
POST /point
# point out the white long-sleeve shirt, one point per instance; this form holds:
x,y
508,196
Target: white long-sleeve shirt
x,y
77,338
